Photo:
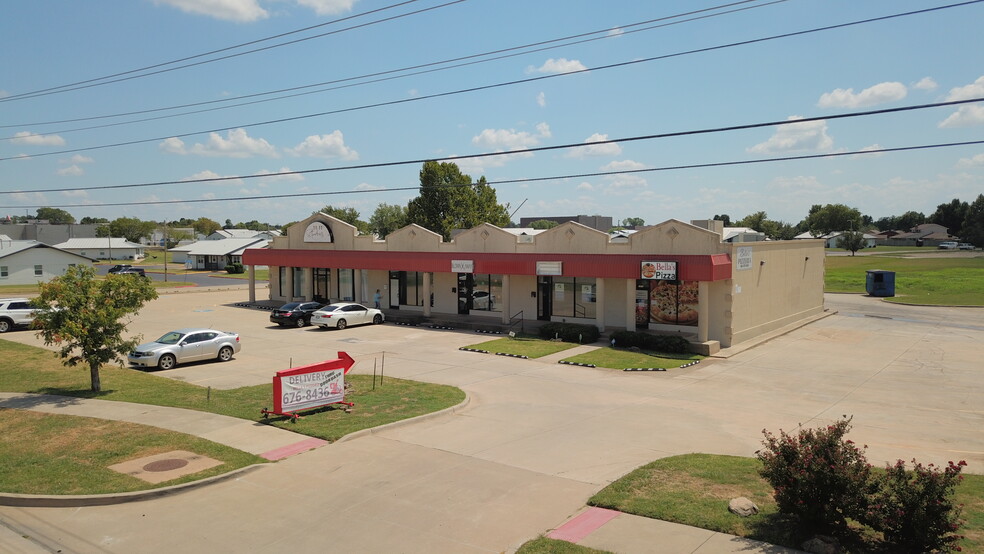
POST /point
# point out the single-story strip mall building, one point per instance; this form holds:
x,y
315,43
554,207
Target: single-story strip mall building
x,y
670,277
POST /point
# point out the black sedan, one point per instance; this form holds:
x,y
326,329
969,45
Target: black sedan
x,y
297,314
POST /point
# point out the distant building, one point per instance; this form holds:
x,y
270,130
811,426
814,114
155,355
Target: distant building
x,y
215,254
598,222
242,234
104,248
46,233
927,234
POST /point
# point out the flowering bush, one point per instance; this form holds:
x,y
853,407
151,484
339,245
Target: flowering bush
x,y
914,509
819,478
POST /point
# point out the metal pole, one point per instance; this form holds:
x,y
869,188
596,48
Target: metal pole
x,y
374,374
382,369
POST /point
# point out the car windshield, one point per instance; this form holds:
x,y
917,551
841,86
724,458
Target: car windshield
x,y
171,338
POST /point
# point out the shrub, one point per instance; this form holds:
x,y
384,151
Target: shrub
x,y
656,343
570,332
915,510
235,268
819,478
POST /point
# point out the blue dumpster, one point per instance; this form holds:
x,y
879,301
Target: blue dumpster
x,y
880,283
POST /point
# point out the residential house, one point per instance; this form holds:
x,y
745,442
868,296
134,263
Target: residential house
x,y
927,234
27,262
115,248
215,254
242,234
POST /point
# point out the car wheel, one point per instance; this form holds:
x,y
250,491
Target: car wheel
x,y
225,354
377,319
4,325
300,322
341,324
167,361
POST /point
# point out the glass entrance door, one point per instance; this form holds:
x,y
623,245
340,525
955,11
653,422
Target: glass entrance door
x,y
544,302
465,283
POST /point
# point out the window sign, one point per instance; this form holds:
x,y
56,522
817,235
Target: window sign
x,y
744,260
317,231
462,266
549,268
664,271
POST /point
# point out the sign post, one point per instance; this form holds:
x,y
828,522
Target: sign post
x,y
310,386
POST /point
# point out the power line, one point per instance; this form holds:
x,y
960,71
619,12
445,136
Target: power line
x,y
515,181
504,53
674,134
504,84
93,82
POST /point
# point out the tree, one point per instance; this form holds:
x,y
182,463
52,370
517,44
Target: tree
x,y
973,224
723,217
131,228
386,219
55,216
832,217
778,230
852,241
348,215
633,222
93,220
450,200
86,317
754,221
544,224
951,216
911,219
205,226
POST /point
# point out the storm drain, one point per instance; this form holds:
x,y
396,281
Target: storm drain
x,y
164,467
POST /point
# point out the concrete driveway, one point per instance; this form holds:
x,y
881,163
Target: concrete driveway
x,y
537,438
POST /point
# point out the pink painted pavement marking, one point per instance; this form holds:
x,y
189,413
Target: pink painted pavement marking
x,y
291,449
583,525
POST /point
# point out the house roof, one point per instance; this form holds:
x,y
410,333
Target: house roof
x,y
16,246
223,247
97,243
244,233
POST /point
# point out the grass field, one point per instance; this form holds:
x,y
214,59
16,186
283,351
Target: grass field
x,y
933,281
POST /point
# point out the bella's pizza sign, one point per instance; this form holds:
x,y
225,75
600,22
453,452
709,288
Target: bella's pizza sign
x,y
666,271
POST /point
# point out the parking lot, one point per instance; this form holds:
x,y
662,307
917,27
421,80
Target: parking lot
x,y
537,438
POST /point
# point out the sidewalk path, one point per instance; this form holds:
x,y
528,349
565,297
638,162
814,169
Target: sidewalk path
x,y
263,440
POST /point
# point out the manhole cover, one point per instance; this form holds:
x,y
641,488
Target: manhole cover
x,y
165,465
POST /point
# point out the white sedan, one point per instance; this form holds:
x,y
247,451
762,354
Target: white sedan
x,y
342,314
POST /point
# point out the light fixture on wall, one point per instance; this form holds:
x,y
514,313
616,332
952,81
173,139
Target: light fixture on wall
x,y
762,262
807,258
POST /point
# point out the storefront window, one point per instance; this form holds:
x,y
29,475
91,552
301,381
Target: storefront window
x,y
322,284
282,281
413,287
346,284
487,293
667,302
299,282
574,297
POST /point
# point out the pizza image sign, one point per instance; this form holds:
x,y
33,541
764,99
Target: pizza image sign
x,y
659,270
674,303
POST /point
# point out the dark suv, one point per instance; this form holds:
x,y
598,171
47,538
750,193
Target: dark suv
x,y
132,271
295,313
119,267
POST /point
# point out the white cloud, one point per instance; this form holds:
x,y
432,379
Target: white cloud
x,y
238,145
926,83
510,139
796,137
75,193
965,116
966,92
80,159
609,149
623,165
560,65
240,11
616,32
26,137
293,177
871,148
541,99
367,186
585,186
877,94
327,7
209,174
70,171
973,161
325,146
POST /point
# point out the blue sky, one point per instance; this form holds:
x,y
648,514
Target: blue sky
x,y
913,60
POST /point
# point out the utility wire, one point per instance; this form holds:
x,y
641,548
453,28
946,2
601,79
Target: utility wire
x,y
507,83
535,47
526,150
514,181
92,82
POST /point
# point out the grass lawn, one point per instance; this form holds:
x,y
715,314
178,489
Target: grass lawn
x,y
544,545
530,347
694,489
261,275
30,369
619,358
939,281
59,454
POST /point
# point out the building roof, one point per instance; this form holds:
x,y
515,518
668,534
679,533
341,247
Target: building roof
x,y
243,233
15,246
97,243
223,247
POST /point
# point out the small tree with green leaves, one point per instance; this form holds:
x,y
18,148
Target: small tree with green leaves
x,y
86,317
851,241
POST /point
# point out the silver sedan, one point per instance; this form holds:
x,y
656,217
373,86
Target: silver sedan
x,y
185,345
342,314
